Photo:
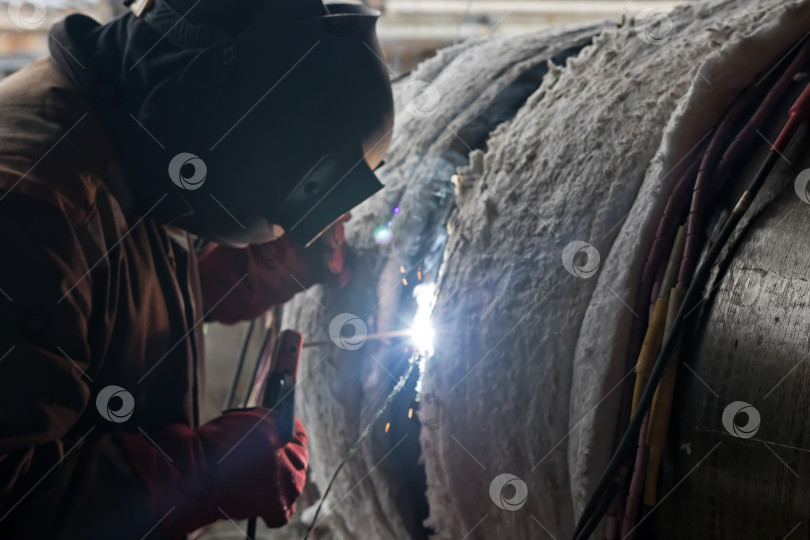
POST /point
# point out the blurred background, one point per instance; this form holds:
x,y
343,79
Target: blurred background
x,y
410,30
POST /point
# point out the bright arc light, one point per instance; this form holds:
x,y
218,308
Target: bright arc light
x,y
383,235
422,330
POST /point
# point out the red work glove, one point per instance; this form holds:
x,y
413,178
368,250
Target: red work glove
x,y
276,271
232,467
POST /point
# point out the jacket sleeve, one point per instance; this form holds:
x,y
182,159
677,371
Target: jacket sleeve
x,y
64,471
265,275
270,274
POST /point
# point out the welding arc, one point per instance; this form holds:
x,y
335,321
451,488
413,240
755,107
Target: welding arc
x,y
615,473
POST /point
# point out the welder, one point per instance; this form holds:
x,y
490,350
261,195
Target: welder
x,y
189,161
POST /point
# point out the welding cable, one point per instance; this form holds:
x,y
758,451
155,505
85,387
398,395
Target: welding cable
x,y
689,187
767,99
251,529
661,407
677,204
775,94
363,436
269,336
659,328
266,339
616,471
649,352
699,196
237,374
657,427
653,431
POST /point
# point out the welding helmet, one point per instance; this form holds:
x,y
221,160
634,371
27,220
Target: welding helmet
x,y
274,125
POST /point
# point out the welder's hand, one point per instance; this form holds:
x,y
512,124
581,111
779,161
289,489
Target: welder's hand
x,y
240,284
234,466
330,250
256,473
322,262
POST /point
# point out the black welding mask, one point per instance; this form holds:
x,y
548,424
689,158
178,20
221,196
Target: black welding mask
x,y
276,125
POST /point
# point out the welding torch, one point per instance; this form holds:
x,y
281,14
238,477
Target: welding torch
x,y
273,385
274,377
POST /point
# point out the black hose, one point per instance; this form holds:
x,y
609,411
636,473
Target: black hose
x,y
239,365
602,507
614,473
268,334
251,529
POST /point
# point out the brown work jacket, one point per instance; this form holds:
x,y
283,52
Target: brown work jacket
x,y
92,294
